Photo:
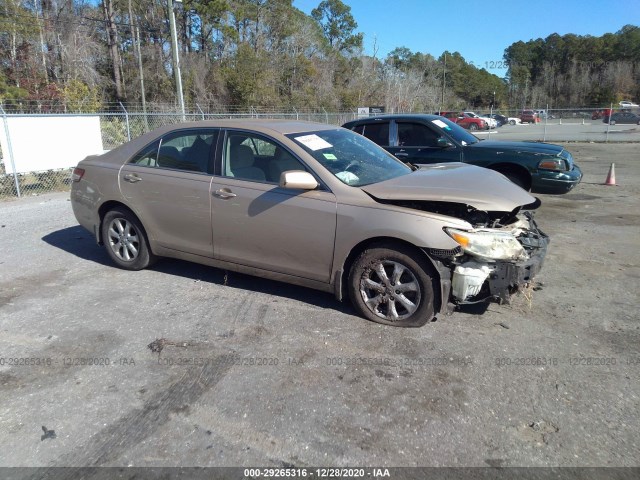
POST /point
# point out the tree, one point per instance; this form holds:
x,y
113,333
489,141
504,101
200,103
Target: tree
x,y
338,25
114,51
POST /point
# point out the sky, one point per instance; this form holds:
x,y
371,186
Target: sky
x,y
479,30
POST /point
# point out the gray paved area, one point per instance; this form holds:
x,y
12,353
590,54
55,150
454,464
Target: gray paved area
x,y
570,130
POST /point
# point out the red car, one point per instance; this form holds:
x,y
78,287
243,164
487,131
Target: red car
x,y
529,116
465,121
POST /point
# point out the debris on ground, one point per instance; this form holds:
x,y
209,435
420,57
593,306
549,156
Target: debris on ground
x,y
538,432
47,434
158,344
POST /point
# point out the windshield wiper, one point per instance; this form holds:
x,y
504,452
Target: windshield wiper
x,y
411,166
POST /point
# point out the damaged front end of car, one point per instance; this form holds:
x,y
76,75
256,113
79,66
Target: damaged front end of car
x,y
496,250
499,255
496,262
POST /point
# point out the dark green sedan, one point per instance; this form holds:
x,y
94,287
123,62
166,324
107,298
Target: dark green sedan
x,y
422,139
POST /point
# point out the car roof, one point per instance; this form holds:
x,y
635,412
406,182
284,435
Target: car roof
x,y
265,125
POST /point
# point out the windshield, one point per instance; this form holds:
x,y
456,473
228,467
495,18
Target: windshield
x,y
455,131
352,158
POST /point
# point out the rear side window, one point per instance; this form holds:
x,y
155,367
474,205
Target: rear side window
x,y
359,129
377,132
147,156
189,150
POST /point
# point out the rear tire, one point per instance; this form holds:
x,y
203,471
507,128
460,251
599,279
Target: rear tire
x,y
392,285
512,122
126,240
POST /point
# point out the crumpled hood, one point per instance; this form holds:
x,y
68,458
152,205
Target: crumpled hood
x,y
517,147
479,187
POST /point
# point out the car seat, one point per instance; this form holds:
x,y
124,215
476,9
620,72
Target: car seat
x,y
241,164
282,161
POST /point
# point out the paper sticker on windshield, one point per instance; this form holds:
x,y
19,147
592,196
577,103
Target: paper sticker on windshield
x,y
313,142
440,123
330,156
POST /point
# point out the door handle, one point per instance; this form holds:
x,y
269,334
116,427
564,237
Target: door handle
x,y
224,193
132,178
400,154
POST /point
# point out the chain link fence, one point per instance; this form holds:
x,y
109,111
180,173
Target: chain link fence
x,y
118,127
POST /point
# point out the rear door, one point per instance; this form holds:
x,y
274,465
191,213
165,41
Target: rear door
x,y
378,132
417,143
167,185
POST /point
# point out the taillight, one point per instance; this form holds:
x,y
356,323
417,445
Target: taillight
x,y
77,174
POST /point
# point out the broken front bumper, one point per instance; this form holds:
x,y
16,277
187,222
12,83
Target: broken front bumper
x,y
508,277
475,280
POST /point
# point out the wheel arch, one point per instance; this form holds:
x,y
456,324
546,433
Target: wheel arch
x,y
107,207
512,168
342,276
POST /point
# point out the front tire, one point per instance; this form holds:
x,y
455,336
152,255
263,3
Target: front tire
x,y
393,286
473,127
125,240
518,178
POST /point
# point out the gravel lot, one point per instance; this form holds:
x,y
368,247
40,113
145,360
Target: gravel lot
x,y
296,378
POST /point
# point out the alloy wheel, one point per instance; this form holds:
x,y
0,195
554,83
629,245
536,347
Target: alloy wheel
x,y
123,239
390,290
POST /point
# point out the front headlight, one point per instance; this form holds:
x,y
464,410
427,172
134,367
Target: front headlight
x,y
489,245
556,164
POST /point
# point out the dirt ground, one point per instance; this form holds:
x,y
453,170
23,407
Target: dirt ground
x,y
259,373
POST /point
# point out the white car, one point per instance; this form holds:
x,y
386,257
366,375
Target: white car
x,y
501,118
628,104
490,121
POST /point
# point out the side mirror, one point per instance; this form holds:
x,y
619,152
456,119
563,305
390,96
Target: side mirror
x,y
444,143
298,179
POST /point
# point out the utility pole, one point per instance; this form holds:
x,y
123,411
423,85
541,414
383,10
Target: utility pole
x,y
176,59
492,104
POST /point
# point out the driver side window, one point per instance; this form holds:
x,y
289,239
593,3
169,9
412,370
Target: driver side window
x,y
416,135
254,157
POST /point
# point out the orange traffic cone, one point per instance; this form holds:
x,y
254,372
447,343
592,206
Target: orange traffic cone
x,y
611,176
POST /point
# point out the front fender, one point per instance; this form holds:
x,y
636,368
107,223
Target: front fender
x,y
356,224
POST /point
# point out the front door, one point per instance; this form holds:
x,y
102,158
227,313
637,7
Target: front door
x,y
257,223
